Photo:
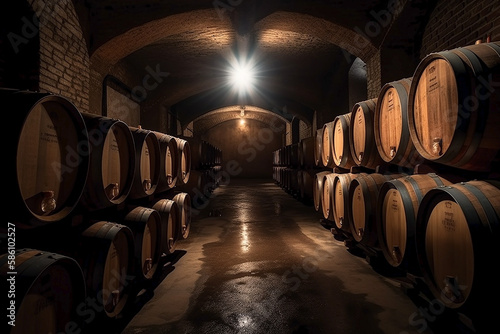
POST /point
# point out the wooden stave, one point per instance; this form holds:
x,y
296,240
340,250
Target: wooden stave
x,y
483,221
344,158
371,157
468,149
20,213
306,152
183,201
94,240
411,197
137,219
94,196
140,137
31,266
406,155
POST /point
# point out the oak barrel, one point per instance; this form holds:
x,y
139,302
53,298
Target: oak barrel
x,y
147,163
170,224
168,162
106,256
318,148
48,291
398,203
112,162
48,161
184,161
327,145
341,150
183,201
392,135
363,148
454,107
362,203
306,152
318,190
327,197
457,230
145,224
340,201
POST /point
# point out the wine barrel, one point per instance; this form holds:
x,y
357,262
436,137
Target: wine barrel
x,y
184,161
47,165
106,256
183,201
363,148
340,201
390,122
145,224
453,108
170,224
48,290
318,190
457,237
168,162
306,152
362,203
112,162
147,163
318,148
327,145
341,150
306,184
327,197
398,203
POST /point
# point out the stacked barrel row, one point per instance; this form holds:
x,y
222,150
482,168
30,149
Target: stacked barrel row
x,y
294,168
114,191
206,166
413,177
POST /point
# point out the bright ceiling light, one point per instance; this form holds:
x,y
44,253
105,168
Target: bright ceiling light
x,y
242,76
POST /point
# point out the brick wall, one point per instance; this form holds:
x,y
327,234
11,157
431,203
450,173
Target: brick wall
x,y
64,60
457,23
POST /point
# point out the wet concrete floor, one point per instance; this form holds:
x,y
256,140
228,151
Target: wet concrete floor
x,y
258,260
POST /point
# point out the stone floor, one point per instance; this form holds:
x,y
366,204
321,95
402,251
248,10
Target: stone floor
x,y
257,260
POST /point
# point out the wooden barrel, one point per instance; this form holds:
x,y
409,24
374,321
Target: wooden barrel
x,y
147,163
183,201
453,107
306,184
145,224
168,162
318,190
106,256
48,162
112,162
170,224
318,148
327,197
340,201
398,203
341,150
184,161
327,145
363,148
306,152
47,292
457,238
362,202
390,122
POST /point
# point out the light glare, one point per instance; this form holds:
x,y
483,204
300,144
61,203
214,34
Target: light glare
x,y
242,76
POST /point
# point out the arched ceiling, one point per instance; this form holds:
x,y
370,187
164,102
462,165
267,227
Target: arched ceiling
x,y
302,49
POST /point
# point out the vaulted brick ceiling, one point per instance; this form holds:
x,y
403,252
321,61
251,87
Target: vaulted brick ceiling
x,y
302,49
